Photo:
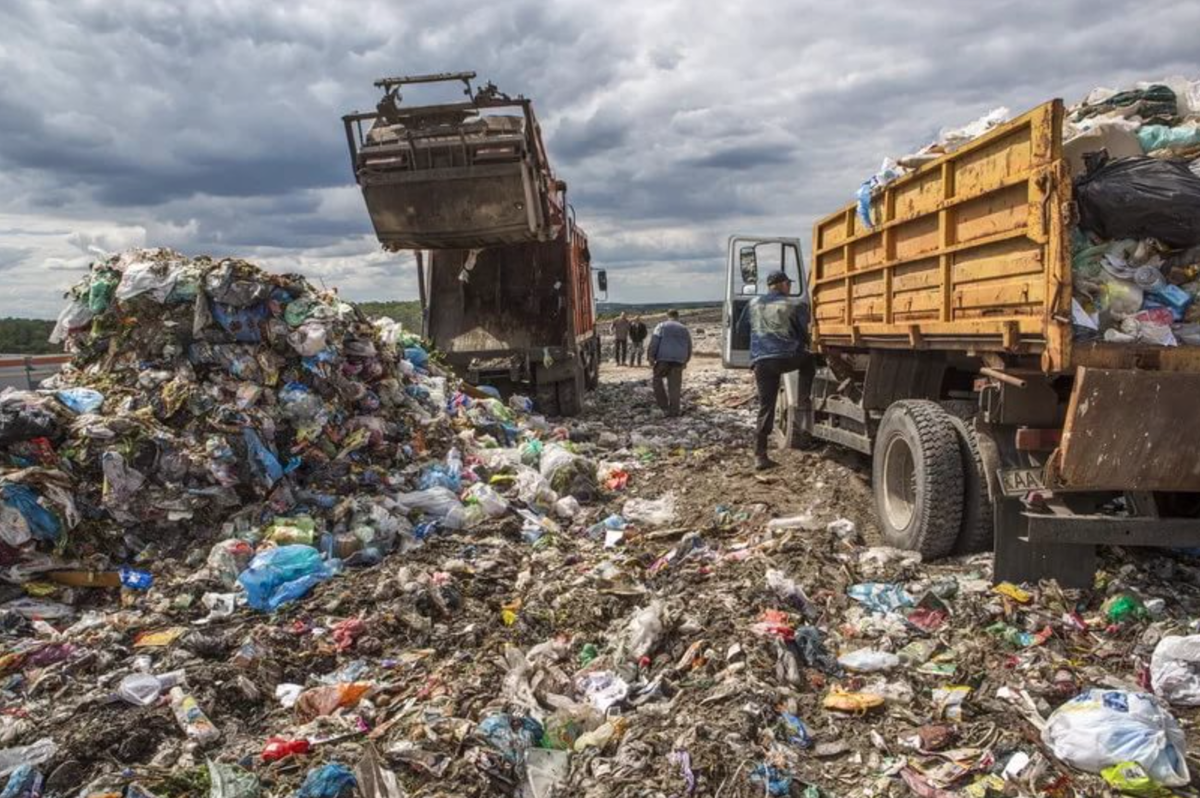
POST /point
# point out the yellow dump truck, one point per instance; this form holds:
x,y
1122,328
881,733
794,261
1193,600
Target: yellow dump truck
x,y
945,331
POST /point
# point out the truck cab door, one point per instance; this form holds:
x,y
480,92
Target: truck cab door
x,y
749,261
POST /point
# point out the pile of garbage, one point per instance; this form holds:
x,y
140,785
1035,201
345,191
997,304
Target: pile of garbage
x,y
1135,156
475,601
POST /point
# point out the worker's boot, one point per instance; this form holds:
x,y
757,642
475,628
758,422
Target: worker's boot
x,y
762,462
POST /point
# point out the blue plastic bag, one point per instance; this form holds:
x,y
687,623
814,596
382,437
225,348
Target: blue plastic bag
x,y
135,580
243,323
438,475
1158,137
417,356
43,524
21,782
277,576
328,781
880,597
263,461
511,736
776,780
81,400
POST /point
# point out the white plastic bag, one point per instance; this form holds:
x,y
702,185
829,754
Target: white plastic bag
x,y
1175,670
1098,728
654,512
437,502
866,660
645,628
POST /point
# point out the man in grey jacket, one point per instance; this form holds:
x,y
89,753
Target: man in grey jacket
x,y
670,351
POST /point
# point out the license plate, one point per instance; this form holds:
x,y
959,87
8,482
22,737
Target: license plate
x,y
1019,481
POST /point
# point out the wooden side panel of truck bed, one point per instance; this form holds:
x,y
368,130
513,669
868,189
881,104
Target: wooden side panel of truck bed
x,y
967,253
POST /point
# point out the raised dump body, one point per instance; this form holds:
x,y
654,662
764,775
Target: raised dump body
x,y
504,271
454,175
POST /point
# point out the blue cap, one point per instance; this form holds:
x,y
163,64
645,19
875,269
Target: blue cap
x,y
777,277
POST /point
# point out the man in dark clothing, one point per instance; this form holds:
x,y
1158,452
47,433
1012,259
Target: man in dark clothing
x,y
778,344
620,331
637,337
670,351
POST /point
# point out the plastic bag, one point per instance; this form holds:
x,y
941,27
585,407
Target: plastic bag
x,y
324,700
328,781
645,628
242,323
1141,198
569,473
228,558
1175,670
277,576
230,781
1099,728
191,718
493,504
436,502
1160,137
33,754
880,597
865,660
23,518
81,400
654,512
309,339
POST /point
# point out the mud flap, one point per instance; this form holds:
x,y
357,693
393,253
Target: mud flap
x,y
1130,430
1018,559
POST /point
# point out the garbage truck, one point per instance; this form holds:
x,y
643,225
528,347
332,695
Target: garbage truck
x,y
503,270
947,354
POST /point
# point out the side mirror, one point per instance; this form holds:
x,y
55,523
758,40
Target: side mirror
x,y
748,262
602,280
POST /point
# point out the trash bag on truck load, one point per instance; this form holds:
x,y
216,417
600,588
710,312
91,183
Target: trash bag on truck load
x,y
1141,198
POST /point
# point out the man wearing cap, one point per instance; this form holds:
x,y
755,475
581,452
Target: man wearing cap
x,y
778,344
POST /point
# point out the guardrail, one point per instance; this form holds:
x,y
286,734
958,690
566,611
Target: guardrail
x,y
29,368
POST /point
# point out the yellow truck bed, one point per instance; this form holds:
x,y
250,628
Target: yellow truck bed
x,y
972,254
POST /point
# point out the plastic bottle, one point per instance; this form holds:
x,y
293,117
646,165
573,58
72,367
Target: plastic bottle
x,y
1150,278
454,462
191,718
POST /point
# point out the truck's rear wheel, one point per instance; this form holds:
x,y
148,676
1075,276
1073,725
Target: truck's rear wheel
x,y
918,478
976,532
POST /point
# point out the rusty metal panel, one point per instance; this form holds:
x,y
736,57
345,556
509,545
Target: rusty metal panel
x,y
1131,430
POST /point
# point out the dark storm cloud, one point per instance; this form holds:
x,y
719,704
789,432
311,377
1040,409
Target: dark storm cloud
x,y
216,127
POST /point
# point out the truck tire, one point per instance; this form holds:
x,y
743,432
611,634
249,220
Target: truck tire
x,y
794,435
547,398
976,532
978,523
569,403
917,475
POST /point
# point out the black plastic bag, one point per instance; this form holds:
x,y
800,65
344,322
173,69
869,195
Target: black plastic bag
x,y
1141,198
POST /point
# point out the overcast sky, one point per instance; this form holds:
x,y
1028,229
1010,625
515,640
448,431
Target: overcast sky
x,y
215,127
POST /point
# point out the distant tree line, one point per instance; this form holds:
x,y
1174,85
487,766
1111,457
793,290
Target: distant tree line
x,y
26,337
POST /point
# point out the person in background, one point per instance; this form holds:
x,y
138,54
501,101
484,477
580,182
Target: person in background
x,y
637,337
778,345
670,351
620,331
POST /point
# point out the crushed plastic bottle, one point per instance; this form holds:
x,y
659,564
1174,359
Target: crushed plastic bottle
x,y
191,718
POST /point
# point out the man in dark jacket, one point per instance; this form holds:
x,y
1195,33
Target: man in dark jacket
x,y
670,351
637,339
778,344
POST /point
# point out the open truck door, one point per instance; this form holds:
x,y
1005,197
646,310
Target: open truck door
x,y
749,261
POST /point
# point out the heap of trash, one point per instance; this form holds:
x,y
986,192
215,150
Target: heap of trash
x,y
239,565
1134,159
